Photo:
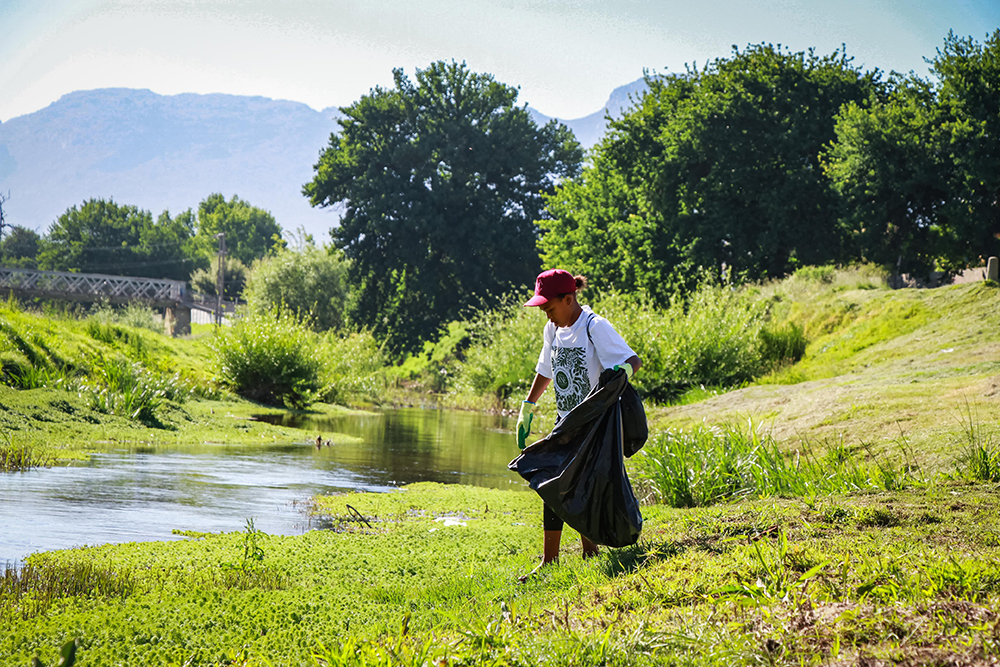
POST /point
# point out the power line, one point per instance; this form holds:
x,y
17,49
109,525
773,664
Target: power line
x,y
174,244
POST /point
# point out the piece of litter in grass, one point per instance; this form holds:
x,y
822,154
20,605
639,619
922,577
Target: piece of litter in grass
x,y
450,521
946,351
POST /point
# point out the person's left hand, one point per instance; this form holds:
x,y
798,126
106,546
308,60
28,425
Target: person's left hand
x,y
524,423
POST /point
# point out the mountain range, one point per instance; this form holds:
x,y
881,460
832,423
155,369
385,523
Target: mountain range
x,y
168,152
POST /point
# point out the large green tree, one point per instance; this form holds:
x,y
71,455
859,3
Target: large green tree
x,y
440,180
251,232
714,167
891,176
919,172
102,236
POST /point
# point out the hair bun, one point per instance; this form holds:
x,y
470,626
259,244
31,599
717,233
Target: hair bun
x,y
581,282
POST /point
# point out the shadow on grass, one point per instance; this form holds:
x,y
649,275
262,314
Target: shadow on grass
x,y
630,559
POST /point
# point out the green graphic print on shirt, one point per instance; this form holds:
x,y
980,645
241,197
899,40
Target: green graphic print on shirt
x,y
569,370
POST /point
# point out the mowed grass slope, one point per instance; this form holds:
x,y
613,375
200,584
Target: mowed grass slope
x,y
890,369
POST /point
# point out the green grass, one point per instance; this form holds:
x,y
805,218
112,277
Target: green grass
x,y
907,574
880,365
708,465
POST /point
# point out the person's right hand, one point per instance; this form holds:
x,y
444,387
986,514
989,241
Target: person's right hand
x,y
524,423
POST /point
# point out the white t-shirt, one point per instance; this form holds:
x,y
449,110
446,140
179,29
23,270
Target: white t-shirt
x,y
574,363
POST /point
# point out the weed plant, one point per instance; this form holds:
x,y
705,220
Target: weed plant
x,y
270,357
711,464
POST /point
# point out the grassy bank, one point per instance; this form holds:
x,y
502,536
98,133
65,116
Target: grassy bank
x,y
889,371
72,385
907,576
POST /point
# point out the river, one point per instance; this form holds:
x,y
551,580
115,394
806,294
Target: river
x,y
144,493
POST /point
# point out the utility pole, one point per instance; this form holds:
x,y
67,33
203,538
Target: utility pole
x,y
220,283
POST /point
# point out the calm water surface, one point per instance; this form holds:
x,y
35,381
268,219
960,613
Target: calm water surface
x,y
144,493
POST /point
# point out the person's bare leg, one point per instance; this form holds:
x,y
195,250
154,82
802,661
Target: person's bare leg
x,y
589,548
550,551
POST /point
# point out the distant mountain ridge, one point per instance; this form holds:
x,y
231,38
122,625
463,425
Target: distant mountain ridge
x,y
590,129
168,152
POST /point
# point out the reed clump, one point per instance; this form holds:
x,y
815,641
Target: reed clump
x,y
712,464
28,590
21,456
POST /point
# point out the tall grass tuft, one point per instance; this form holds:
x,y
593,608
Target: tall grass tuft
x,y
980,461
29,590
20,457
130,390
270,357
707,465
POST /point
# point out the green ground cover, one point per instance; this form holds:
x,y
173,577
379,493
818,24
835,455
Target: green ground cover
x,y
910,576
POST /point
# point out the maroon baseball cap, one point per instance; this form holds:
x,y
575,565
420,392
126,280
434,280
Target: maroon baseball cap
x,y
550,284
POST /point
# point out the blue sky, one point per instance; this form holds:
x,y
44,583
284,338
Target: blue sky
x,y
566,55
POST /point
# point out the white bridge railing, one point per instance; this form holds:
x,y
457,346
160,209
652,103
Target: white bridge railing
x,y
93,286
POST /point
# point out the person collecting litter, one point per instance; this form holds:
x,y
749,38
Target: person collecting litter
x,y
577,345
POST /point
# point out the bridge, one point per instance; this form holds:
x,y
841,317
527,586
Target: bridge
x,y
171,295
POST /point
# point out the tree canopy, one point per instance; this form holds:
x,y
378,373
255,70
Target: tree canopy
x,y
19,248
919,172
251,232
440,180
717,166
102,236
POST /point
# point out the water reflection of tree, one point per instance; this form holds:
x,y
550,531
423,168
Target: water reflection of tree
x,y
434,445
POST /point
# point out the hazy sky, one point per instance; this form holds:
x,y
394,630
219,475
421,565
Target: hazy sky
x,y
566,55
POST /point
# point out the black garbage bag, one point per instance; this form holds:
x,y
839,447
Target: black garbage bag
x,y
634,426
579,471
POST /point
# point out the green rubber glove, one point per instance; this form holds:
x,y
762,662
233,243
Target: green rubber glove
x,y
524,423
624,367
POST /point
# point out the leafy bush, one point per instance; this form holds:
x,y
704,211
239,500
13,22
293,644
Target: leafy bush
x,y
719,336
270,357
354,366
310,280
505,343
712,338
435,365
